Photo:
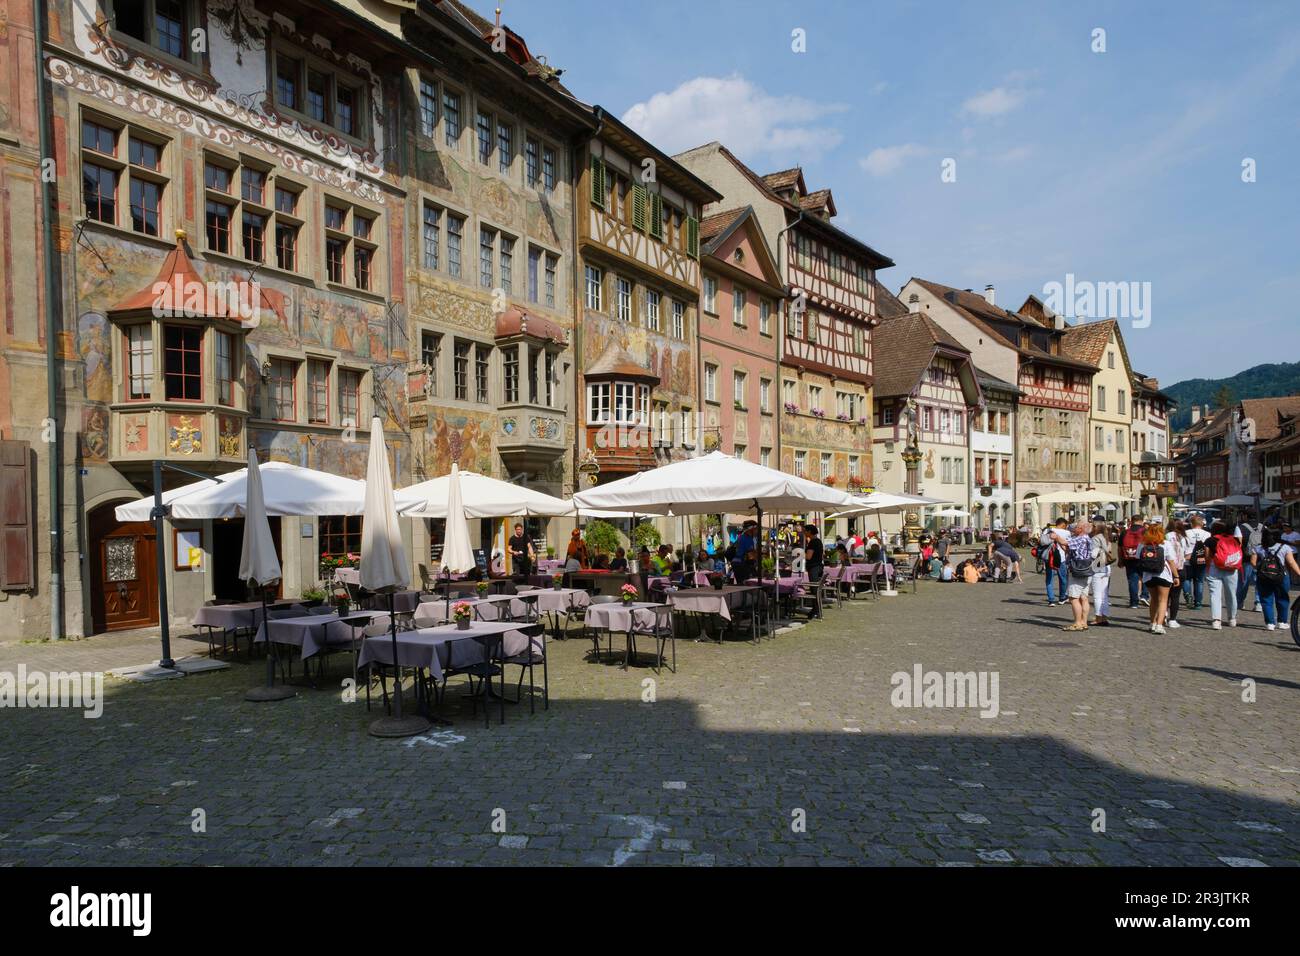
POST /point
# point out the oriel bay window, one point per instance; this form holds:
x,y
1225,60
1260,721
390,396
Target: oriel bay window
x,y
510,374
623,403
139,361
183,363
224,356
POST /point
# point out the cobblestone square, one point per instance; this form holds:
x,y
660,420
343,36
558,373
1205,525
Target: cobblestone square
x,y
787,753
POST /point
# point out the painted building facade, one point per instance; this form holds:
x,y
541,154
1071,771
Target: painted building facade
x,y
993,456
1110,415
740,319
638,344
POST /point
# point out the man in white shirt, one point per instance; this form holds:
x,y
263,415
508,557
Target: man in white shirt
x,y
1193,573
1052,544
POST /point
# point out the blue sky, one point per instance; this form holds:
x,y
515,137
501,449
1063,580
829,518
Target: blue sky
x,y
1122,166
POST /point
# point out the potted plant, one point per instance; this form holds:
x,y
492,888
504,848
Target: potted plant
x,y
550,553
482,588
313,597
461,613
557,581
717,580
769,566
629,593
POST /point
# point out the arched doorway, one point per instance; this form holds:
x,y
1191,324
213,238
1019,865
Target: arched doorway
x,y
123,572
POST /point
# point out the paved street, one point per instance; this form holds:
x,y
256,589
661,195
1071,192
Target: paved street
x,y
738,750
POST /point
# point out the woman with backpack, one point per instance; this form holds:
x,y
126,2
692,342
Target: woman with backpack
x,y
1155,562
1224,553
1182,549
1275,564
1198,560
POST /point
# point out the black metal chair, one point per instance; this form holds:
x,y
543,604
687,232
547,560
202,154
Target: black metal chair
x,y
661,629
533,654
593,634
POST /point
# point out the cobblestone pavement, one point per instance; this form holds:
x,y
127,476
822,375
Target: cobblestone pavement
x,y
786,753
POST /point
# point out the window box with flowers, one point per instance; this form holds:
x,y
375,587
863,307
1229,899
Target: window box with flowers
x,y
329,563
819,413
792,408
843,417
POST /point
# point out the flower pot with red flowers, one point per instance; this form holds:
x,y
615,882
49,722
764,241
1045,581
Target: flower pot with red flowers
x,y
629,593
461,613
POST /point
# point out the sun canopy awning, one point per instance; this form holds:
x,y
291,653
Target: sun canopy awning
x,y
711,484
884,503
287,489
481,496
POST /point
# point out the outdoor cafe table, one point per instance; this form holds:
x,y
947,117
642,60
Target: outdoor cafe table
x,y
547,565
553,603
851,574
310,634
623,617
433,610
710,600
404,602
234,617
433,648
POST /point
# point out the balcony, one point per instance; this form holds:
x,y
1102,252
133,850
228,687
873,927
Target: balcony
x,y
530,437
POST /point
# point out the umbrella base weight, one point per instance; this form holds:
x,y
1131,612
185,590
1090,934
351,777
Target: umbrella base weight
x,y
399,726
265,694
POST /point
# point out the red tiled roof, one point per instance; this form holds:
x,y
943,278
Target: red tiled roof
x,y
720,222
1265,411
888,305
1087,342
785,179
815,202
903,348
515,321
615,363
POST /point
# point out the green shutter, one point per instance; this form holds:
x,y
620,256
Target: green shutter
x,y
656,215
693,236
597,181
638,206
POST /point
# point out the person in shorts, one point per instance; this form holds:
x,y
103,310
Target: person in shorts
x,y
1079,566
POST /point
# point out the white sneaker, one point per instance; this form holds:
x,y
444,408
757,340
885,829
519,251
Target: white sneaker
x,y
1174,624
1216,624
1259,607
1157,629
1232,623
1271,627
1144,602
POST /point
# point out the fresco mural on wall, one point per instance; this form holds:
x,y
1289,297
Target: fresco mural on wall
x,y
93,347
475,432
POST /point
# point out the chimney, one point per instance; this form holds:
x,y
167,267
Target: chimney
x,y
913,303
1058,322
1196,414
990,294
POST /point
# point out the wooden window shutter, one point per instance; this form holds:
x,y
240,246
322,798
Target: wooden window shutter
x,y
656,215
638,206
693,236
597,181
17,536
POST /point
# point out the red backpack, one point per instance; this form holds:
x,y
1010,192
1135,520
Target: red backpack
x,y
1227,553
1130,544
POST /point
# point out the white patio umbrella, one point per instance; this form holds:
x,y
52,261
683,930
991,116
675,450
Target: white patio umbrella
x,y
457,555
709,484
950,513
259,566
1240,501
287,490
384,569
481,497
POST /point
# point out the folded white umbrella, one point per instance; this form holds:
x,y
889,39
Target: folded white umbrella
x,y
258,563
710,484
259,566
384,566
287,491
457,556
481,496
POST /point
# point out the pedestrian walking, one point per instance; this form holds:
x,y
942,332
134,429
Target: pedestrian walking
x,y
1052,545
1129,544
1177,538
1275,568
1155,562
1224,551
1198,559
1104,555
1080,565
1251,537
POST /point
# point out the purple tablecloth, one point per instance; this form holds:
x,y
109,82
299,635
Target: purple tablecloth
x,y
621,617
430,613
314,632
232,617
551,601
434,648
708,600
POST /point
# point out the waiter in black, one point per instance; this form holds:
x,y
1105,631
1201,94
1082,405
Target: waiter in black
x,y
521,553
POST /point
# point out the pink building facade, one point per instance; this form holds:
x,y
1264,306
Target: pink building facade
x,y
740,318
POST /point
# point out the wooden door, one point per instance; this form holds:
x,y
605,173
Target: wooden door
x,y
125,573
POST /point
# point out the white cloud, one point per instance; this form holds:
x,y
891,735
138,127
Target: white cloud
x,y
1002,99
736,113
887,159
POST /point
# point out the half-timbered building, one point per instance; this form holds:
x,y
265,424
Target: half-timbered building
x,y
826,344
1052,411
638,240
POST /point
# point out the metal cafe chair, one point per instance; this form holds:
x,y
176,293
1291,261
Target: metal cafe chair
x,y
532,655
593,634
661,629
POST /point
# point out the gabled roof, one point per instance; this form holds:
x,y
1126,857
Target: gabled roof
x,y
819,201
786,179
888,305
904,347
718,228
981,312
1267,413
1087,342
